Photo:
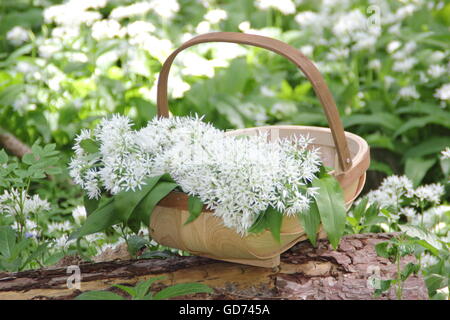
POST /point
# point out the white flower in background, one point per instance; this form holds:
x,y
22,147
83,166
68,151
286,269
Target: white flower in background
x,y
437,56
307,50
408,212
409,93
17,35
74,12
63,241
48,48
427,260
196,65
406,51
166,8
66,32
443,92
432,219
308,19
136,28
393,45
135,9
375,64
107,29
31,228
79,214
203,27
405,65
446,153
59,226
285,6
388,80
405,11
435,71
14,202
338,54
392,189
349,23
430,193
21,103
215,16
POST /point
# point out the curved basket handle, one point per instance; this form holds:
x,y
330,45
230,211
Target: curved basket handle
x,y
287,51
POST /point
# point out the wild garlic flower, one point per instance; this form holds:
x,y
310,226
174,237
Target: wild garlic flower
x,y
238,177
391,191
443,93
15,202
446,153
431,193
17,35
79,214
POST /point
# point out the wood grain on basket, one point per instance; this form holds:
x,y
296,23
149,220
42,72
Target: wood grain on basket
x,y
347,153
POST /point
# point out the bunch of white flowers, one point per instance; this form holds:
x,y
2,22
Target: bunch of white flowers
x,y
238,177
14,202
395,190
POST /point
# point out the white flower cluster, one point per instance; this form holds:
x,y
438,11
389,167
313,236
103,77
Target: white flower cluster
x,y
15,202
237,177
446,153
395,189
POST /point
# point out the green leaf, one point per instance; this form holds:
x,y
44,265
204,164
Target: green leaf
x,y
386,120
422,122
3,157
425,238
182,289
384,286
429,146
330,202
90,204
89,146
270,219
310,220
274,220
103,217
380,167
99,295
416,169
136,243
145,209
7,241
127,202
435,281
143,286
408,270
382,249
130,290
195,206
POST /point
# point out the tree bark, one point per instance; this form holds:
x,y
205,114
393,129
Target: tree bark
x,y
305,273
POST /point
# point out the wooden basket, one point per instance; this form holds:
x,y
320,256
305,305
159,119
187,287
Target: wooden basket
x,y
347,153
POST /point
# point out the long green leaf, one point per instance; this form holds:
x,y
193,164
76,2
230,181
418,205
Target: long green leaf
x,y
99,295
195,206
99,220
274,220
310,220
127,202
7,241
182,289
145,208
416,168
330,202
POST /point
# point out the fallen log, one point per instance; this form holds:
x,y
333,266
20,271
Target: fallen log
x,y
305,273
13,144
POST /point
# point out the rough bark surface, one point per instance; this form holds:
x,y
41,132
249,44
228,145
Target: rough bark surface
x,y
305,273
